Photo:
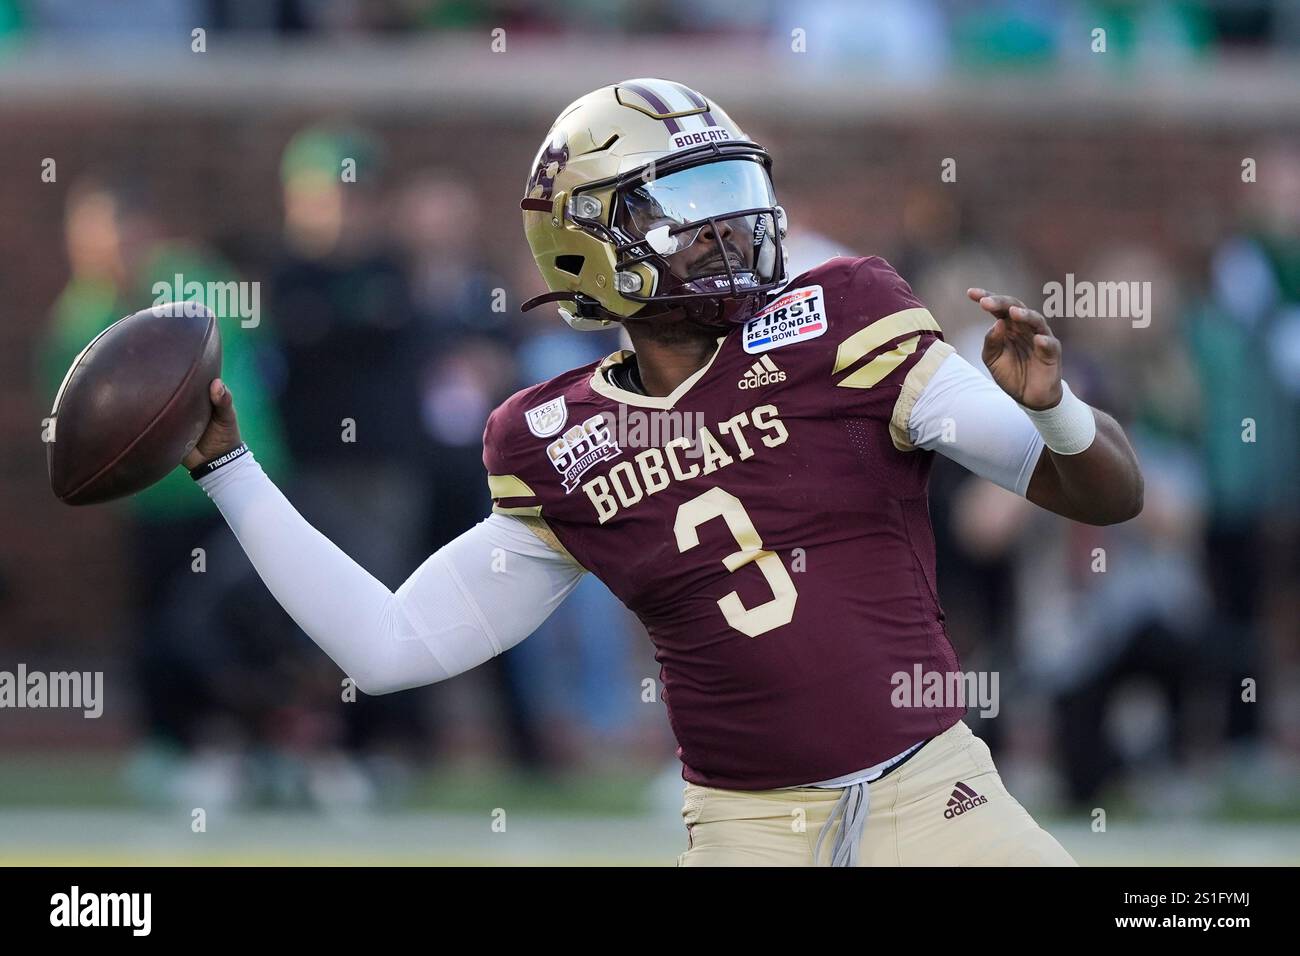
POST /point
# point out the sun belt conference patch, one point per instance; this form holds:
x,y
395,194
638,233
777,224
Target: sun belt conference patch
x,y
581,448
796,316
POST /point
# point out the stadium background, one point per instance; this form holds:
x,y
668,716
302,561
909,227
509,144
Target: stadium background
x,y
1119,690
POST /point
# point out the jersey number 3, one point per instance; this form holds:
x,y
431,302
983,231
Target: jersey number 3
x,y
717,503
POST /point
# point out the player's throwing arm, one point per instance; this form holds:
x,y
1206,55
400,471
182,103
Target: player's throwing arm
x,y
453,613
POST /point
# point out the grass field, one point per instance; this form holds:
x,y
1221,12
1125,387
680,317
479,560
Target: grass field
x,y
88,812
132,838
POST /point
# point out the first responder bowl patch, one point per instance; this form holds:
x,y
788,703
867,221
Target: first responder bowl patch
x,y
796,316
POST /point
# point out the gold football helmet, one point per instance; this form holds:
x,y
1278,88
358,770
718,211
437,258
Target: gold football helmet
x,y
631,177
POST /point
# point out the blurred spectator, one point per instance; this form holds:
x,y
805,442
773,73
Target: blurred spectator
x,y
102,22
438,220
913,41
352,348
907,39
118,250
1137,35
1245,336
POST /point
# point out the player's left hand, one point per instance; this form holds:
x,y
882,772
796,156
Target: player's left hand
x,y
1020,351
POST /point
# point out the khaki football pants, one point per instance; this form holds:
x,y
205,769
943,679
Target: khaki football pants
x,y
945,806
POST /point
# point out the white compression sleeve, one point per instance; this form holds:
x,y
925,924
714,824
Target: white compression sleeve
x,y
963,415
472,599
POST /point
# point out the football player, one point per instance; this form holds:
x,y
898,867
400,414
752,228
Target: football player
x,y
749,479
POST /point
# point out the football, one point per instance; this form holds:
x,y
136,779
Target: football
x,y
133,404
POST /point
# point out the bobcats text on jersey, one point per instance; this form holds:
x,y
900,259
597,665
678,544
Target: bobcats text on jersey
x,y
654,469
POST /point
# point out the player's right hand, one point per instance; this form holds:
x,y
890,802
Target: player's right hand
x,y
222,433
1021,353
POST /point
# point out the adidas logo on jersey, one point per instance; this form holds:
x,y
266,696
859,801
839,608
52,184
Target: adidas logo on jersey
x,y
962,800
763,372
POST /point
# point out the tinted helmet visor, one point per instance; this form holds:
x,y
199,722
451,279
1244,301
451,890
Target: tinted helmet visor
x,y
730,201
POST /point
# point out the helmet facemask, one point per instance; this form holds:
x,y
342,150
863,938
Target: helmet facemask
x,y
707,224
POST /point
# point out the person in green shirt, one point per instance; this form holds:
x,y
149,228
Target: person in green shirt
x,y
121,260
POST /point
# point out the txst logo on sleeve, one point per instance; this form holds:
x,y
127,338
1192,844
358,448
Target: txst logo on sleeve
x,y
547,419
75,908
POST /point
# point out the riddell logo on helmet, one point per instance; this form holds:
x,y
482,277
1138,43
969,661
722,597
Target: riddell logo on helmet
x,y
763,372
963,800
696,137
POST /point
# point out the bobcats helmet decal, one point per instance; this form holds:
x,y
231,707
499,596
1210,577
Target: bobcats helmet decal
x,y
550,161
635,173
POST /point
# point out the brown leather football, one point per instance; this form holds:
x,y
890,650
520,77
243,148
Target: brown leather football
x,y
134,403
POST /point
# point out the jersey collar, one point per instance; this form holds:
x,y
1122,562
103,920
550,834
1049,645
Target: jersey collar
x,y
603,386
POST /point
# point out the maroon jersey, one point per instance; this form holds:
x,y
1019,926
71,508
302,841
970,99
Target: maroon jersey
x,y
767,522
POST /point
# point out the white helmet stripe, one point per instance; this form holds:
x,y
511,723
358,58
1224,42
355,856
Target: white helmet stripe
x,y
697,101
677,97
671,94
701,120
